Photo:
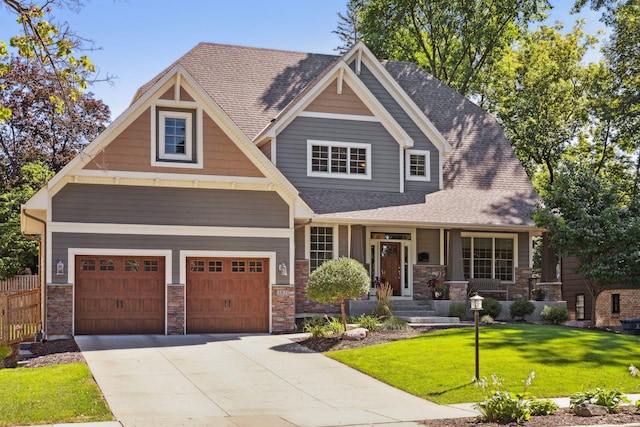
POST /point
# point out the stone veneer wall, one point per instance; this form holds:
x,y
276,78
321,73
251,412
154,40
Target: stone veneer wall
x,y
59,310
175,310
422,273
520,289
629,307
283,303
302,303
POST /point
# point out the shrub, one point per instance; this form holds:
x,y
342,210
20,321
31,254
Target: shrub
x,y
521,309
487,319
383,308
492,307
335,326
316,331
394,323
369,322
458,309
542,407
555,315
609,398
502,406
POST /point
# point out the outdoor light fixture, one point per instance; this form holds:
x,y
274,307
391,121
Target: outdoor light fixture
x,y
282,268
476,307
60,268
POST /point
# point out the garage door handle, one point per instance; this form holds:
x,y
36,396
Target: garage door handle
x,y
227,303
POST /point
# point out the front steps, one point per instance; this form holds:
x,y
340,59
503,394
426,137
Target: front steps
x,y
420,312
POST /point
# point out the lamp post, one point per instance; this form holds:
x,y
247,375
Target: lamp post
x,y
476,307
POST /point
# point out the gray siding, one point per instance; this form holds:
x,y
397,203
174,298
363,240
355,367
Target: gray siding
x,y
63,241
428,241
299,243
120,204
292,153
421,142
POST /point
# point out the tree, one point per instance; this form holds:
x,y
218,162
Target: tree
x,y
457,41
50,47
18,252
589,218
37,130
348,27
338,280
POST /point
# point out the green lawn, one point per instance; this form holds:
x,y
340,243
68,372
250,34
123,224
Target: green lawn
x,y
54,394
439,366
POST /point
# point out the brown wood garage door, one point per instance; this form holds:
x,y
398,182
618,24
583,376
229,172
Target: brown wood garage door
x,y
227,295
119,295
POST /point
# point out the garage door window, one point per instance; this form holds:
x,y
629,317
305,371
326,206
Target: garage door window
x,y
150,265
88,265
107,265
238,266
215,266
197,266
131,265
255,266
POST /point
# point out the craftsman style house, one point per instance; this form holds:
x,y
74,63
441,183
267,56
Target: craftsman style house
x,y
237,171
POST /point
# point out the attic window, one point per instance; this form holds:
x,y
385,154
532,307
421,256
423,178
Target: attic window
x,y
338,159
177,137
417,165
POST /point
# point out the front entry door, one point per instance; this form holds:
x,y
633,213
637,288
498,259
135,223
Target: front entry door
x,y
390,265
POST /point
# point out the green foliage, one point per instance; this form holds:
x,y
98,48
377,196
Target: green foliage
x,y
521,309
542,407
609,398
16,251
337,280
334,325
491,307
554,314
456,41
383,307
370,323
458,309
590,218
394,323
316,326
502,406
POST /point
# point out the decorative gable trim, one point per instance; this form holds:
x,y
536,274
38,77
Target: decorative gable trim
x,y
342,73
179,77
360,53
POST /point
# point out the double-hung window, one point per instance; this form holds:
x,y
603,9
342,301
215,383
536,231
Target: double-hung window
x,y
417,166
489,257
338,159
175,136
321,246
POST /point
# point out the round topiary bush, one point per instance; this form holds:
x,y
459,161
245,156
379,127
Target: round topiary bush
x,y
521,309
555,315
492,307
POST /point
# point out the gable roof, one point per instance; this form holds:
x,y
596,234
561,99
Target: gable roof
x,y
256,86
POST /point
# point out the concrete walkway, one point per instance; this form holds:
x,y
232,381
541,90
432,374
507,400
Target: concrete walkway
x,y
242,380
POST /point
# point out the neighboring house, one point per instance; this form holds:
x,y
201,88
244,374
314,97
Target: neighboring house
x,y
612,305
237,170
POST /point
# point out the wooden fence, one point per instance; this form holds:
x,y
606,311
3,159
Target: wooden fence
x,y
19,316
20,283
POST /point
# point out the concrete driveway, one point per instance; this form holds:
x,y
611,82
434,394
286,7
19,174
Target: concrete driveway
x,y
242,380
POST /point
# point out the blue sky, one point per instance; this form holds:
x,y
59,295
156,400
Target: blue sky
x,y
139,38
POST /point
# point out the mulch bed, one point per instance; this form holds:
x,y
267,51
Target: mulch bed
x,y
56,352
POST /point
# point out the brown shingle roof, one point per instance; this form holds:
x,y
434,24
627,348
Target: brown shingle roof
x,y
484,182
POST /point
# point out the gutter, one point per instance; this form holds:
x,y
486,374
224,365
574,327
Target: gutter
x,y
41,267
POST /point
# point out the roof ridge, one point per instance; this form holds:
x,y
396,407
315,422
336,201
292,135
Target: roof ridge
x,y
266,49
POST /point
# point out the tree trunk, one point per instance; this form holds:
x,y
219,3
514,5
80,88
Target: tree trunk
x,y
344,315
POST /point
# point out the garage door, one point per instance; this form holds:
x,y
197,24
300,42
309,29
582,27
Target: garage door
x,y
227,295
119,295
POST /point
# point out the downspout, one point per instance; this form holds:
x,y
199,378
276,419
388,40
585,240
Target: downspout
x,y
41,268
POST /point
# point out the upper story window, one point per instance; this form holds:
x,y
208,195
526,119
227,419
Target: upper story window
x,y
177,140
417,165
338,159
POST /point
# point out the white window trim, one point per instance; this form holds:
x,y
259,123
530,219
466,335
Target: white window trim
x,y
427,165
307,239
163,155
512,236
347,175
158,156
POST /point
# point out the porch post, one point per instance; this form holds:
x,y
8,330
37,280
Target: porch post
x,y
455,269
549,261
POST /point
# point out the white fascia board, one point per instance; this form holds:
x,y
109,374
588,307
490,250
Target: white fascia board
x,y
399,95
341,68
38,200
302,210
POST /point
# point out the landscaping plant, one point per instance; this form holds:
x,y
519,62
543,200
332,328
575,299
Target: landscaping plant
x,y
458,309
394,323
370,323
383,294
502,406
609,398
521,309
554,315
542,407
337,280
491,307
